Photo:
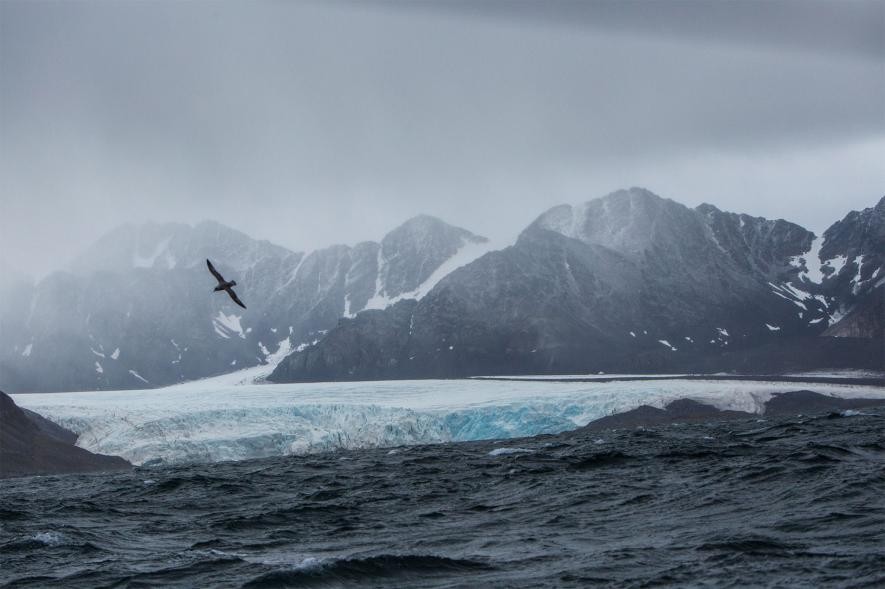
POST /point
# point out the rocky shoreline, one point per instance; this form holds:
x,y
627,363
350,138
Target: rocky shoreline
x,y
802,402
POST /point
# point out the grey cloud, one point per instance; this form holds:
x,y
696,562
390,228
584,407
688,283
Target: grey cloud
x,y
315,123
851,26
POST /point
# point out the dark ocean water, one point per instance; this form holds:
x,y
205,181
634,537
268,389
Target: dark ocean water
x,y
781,503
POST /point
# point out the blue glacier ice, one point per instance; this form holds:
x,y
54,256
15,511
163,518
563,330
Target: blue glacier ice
x,y
206,421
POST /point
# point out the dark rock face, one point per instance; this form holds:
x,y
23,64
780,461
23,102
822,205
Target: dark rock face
x,y
50,428
857,290
796,354
679,411
865,320
137,309
810,403
756,245
379,337
33,445
628,282
860,233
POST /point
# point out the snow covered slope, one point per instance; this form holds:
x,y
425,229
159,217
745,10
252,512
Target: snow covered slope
x,y
202,422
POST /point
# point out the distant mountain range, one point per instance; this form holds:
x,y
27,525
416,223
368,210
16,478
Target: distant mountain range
x,y
137,309
630,281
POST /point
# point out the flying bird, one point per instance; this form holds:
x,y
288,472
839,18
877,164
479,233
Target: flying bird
x,y
224,284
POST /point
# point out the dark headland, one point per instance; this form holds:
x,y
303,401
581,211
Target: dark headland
x,y
689,411
33,445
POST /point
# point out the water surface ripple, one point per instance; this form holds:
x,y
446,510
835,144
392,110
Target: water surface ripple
x,y
764,503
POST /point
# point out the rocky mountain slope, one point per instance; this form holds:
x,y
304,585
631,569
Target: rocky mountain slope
x,y
856,286
626,282
684,411
137,309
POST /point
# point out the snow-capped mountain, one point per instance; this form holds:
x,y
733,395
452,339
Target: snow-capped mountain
x,y
630,281
137,308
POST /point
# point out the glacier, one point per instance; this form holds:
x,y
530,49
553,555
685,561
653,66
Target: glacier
x,y
215,420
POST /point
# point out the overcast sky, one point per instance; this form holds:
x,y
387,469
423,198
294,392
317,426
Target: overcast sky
x,y
317,123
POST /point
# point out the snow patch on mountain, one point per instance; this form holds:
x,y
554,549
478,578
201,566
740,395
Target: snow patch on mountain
x,y
139,261
836,264
467,253
810,263
812,267
837,315
228,324
856,281
138,376
246,376
304,345
171,262
379,300
295,270
796,295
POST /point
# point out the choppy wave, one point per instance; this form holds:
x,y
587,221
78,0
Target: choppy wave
x,y
781,502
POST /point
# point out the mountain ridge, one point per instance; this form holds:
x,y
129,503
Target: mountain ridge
x,y
626,281
137,309
629,281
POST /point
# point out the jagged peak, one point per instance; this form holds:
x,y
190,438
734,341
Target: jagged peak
x,y
710,211
879,207
570,220
168,245
635,195
636,192
707,208
216,225
423,219
420,225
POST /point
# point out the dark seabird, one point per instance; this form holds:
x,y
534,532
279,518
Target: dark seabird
x,y
224,284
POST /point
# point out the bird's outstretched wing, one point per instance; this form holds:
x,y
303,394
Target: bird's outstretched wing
x,y
214,272
234,296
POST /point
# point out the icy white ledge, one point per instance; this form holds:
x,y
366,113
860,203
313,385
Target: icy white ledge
x,y
206,423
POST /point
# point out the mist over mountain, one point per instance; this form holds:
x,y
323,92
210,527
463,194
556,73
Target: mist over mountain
x,y
137,308
627,282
